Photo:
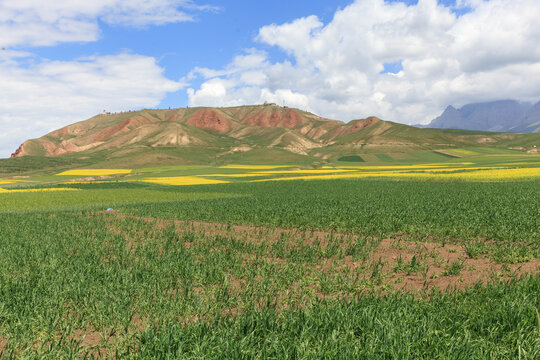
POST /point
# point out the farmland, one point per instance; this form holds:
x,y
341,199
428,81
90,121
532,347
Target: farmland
x,y
377,260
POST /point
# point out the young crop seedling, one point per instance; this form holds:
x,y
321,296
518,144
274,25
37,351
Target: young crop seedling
x,y
453,268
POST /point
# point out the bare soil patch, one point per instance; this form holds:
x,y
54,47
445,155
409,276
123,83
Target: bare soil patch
x,y
401,262
208,119
3,344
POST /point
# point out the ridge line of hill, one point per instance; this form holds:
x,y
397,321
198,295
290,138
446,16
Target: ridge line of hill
x,y
195,135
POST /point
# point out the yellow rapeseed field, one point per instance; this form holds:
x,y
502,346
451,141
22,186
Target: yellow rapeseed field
x,y
254,167
184,180
474,174
390,167
449,164
303,171
440,170
95,172
235,175
490,174
519,163
4,191
93,182
321,177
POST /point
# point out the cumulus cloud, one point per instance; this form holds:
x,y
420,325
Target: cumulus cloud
x,y
45,23
335,69
39,97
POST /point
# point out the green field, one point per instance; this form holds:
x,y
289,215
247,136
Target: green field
x,y
379,267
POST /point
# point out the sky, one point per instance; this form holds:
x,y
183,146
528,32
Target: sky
x,y
64,61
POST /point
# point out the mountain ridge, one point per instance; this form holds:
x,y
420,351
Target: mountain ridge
x,y
500,115
258,131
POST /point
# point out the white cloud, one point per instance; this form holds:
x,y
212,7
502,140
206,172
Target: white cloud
x,y
38,98
45,23
491,52
39,95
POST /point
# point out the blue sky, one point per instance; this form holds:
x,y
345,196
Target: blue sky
x,y
211,40
404,61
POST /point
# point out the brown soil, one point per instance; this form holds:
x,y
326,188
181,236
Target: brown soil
x,y
260,119
125,125
485,140
3,344
97,344
18,152
94,343
436,259
289,119
353,127
360,125
208,119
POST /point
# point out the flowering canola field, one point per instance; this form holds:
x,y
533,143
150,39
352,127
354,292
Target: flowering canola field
x,y
236,175
183,180
5,182
476,173
253,167
95,172
306,171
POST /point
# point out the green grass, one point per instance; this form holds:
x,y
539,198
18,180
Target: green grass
x,y
30,165
499,211
144,287
153,291
351,158
102,197
385,157
431,156
452,326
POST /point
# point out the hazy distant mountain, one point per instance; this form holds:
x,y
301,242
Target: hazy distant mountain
x,y
531,120
503,115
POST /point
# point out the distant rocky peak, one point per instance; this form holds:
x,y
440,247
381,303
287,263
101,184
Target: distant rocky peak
x,y
499,115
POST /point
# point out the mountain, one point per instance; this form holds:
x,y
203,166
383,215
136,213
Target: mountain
x,y
530,121
245,126
259,133
503,115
